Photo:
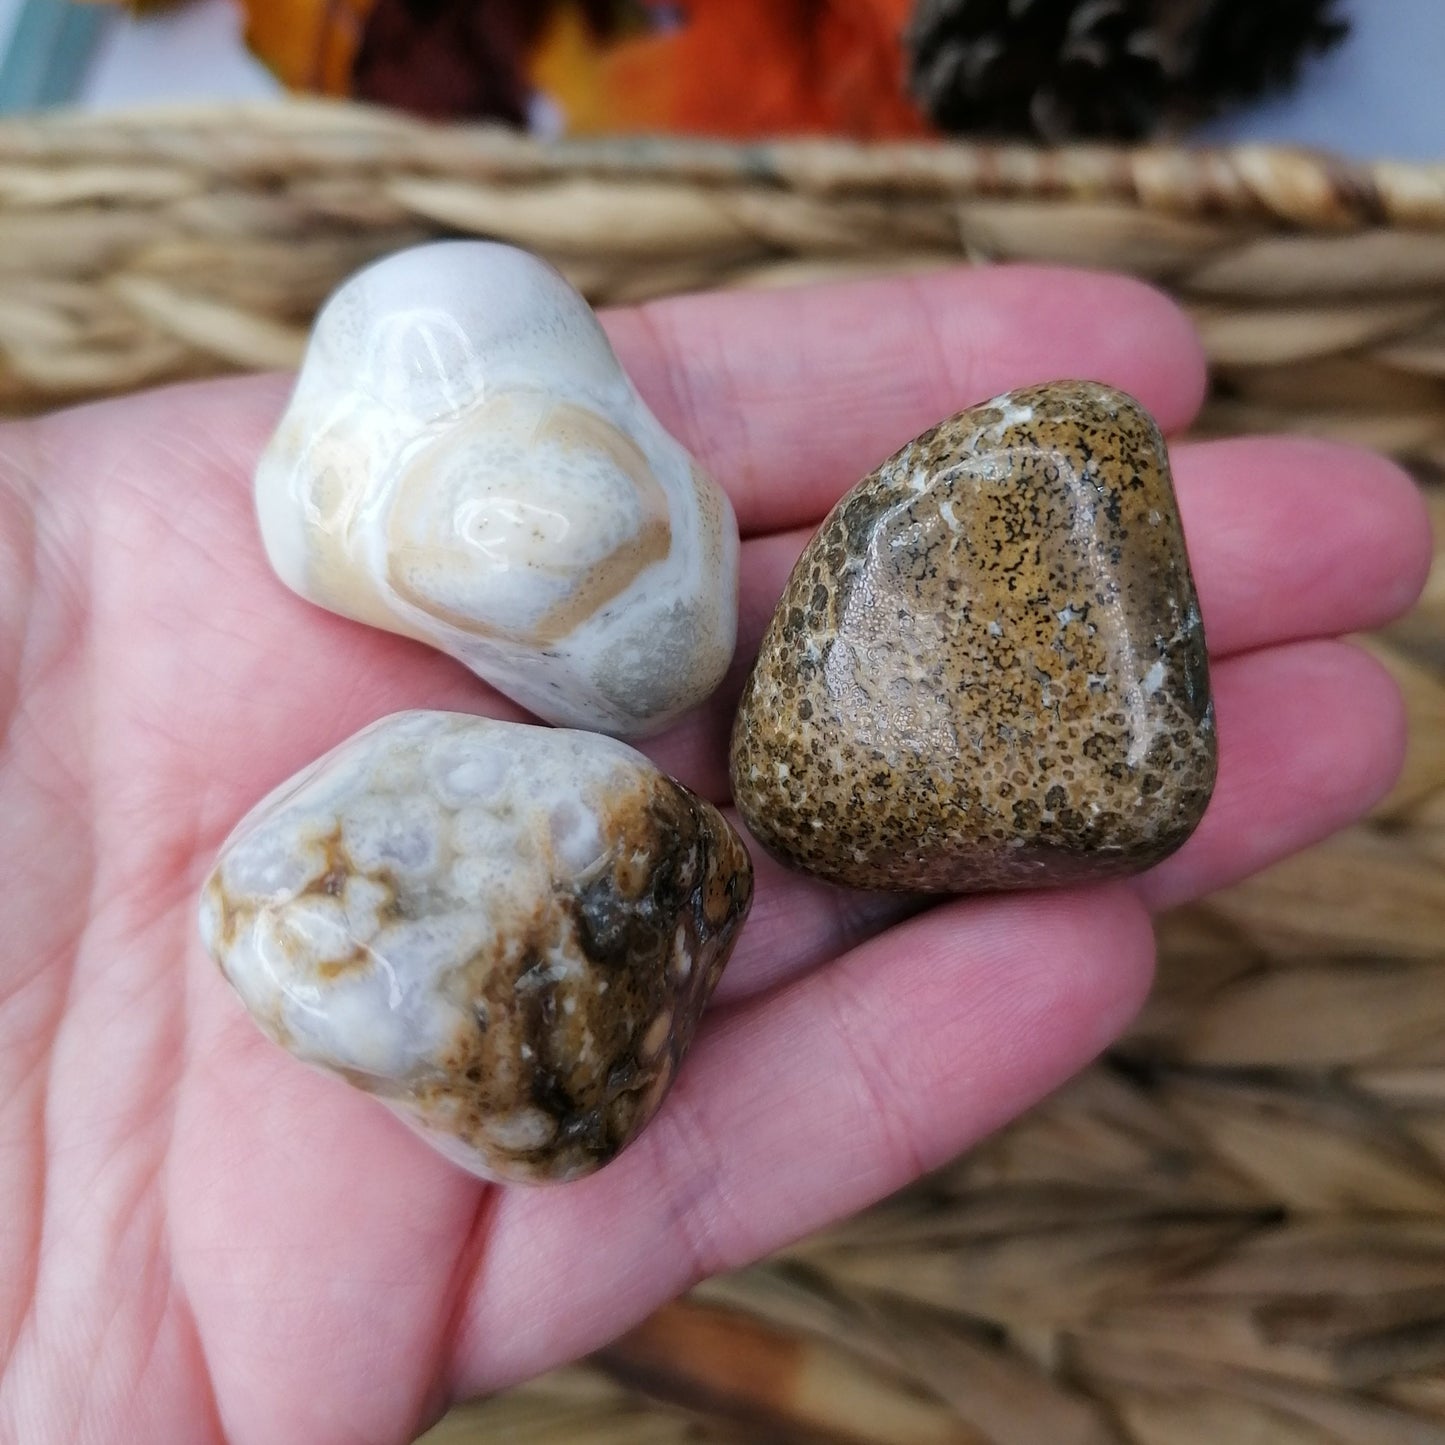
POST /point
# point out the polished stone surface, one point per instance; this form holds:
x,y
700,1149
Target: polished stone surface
x,y
988,669
507,933
465,462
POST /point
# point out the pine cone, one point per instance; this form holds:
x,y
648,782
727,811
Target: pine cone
x,y
1242,50
1104,68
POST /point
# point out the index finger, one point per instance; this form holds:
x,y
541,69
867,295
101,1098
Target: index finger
x,y
789,397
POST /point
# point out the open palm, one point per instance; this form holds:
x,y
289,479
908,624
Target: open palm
x,y
201,1238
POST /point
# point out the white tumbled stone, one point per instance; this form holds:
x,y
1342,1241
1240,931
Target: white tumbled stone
x,y
464,461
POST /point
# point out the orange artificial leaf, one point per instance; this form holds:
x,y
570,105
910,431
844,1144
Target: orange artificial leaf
x,y
569,67
309,44
743,68
731,68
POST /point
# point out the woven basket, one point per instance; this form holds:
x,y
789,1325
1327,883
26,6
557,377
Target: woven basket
x,y
1234,1229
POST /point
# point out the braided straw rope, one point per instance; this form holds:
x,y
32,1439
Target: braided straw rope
x,y
1234,1229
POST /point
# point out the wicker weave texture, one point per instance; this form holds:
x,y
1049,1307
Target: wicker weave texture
x,y
1234,1229
149,247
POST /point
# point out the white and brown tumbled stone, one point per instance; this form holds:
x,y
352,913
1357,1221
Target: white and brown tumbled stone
x,y
988,668
464,461
507,933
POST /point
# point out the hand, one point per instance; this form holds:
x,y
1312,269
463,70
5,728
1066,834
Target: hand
x,y
202,1237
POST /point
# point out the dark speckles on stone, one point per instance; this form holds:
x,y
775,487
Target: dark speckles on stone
x,y
509,933
1017,689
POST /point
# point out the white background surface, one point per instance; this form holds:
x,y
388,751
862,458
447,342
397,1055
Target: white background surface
x,y
1381,94
193,53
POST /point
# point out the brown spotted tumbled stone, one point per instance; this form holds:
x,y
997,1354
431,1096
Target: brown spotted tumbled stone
x,y
507,933
988,670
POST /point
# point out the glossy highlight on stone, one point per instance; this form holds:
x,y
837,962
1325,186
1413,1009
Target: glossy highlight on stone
x,y
988,669
464,461
507,933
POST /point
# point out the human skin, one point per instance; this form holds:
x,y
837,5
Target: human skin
x,y
205,1240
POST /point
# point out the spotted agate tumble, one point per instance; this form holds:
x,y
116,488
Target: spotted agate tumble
x,y
988,668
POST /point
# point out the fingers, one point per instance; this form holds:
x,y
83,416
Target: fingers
x,y
1311,736
799,923
1288,539
1291,538
801,1108
789,397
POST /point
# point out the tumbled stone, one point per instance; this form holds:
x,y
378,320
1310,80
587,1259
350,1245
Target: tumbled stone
x,y
507,933
987,670
464,461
